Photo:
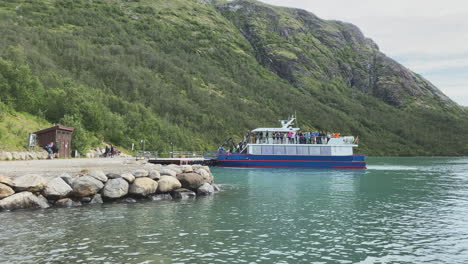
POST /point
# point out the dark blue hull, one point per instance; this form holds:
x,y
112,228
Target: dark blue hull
x,y
291,161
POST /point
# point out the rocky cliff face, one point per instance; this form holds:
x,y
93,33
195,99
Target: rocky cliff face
x,y
301,48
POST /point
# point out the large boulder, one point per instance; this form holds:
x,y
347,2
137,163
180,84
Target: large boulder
x,y
29,183
183,194
115,188
167,172
140,173
23,200
154,175
98,175
56,188
168,184
86,186
207,177
191,180
143,187
5,191
7,181
128,177
205,189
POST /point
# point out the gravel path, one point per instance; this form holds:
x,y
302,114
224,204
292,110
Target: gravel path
x,y
51,168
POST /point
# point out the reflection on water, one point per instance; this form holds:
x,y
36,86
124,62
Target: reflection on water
x,y
400,210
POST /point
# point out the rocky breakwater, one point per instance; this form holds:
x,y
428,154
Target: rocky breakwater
x,y
151,182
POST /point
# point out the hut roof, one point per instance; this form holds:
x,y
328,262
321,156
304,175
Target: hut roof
x,y
59,127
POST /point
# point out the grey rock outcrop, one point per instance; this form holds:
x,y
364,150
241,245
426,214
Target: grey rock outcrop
x,y
168,184
115,188
98,175
183,194
364,67
143,187
86,186
205,189
30,183
23,200
57,188
5,191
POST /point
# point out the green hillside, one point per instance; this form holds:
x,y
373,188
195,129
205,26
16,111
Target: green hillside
x,y
15,128
196,72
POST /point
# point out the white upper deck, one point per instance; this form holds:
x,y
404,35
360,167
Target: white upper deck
x,y
286,126
280,136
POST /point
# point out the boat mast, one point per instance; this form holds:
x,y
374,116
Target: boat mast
x,y
295,116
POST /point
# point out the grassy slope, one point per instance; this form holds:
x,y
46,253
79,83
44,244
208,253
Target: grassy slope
x,y
180,71
15,128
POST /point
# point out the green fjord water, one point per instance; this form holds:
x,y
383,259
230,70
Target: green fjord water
x,y
400,210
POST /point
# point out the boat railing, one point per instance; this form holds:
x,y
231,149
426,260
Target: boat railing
x,y
176,154
301,141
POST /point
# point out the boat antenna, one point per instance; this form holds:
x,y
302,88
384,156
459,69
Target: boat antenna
x,y
295,116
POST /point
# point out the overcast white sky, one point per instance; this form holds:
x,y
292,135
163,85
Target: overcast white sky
x,y
428,36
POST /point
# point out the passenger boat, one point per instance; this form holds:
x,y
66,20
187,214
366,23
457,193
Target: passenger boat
x,y
277,148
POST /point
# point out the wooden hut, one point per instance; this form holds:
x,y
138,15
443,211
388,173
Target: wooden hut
x,y
60,135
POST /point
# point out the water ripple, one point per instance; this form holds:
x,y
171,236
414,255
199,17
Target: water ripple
x,y
399,211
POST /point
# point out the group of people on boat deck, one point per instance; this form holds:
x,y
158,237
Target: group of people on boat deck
x,y
292,138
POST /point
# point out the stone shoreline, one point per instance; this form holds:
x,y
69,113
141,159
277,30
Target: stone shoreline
x,y
18,155
150,182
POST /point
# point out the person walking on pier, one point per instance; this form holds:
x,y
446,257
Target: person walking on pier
x,y
111,151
